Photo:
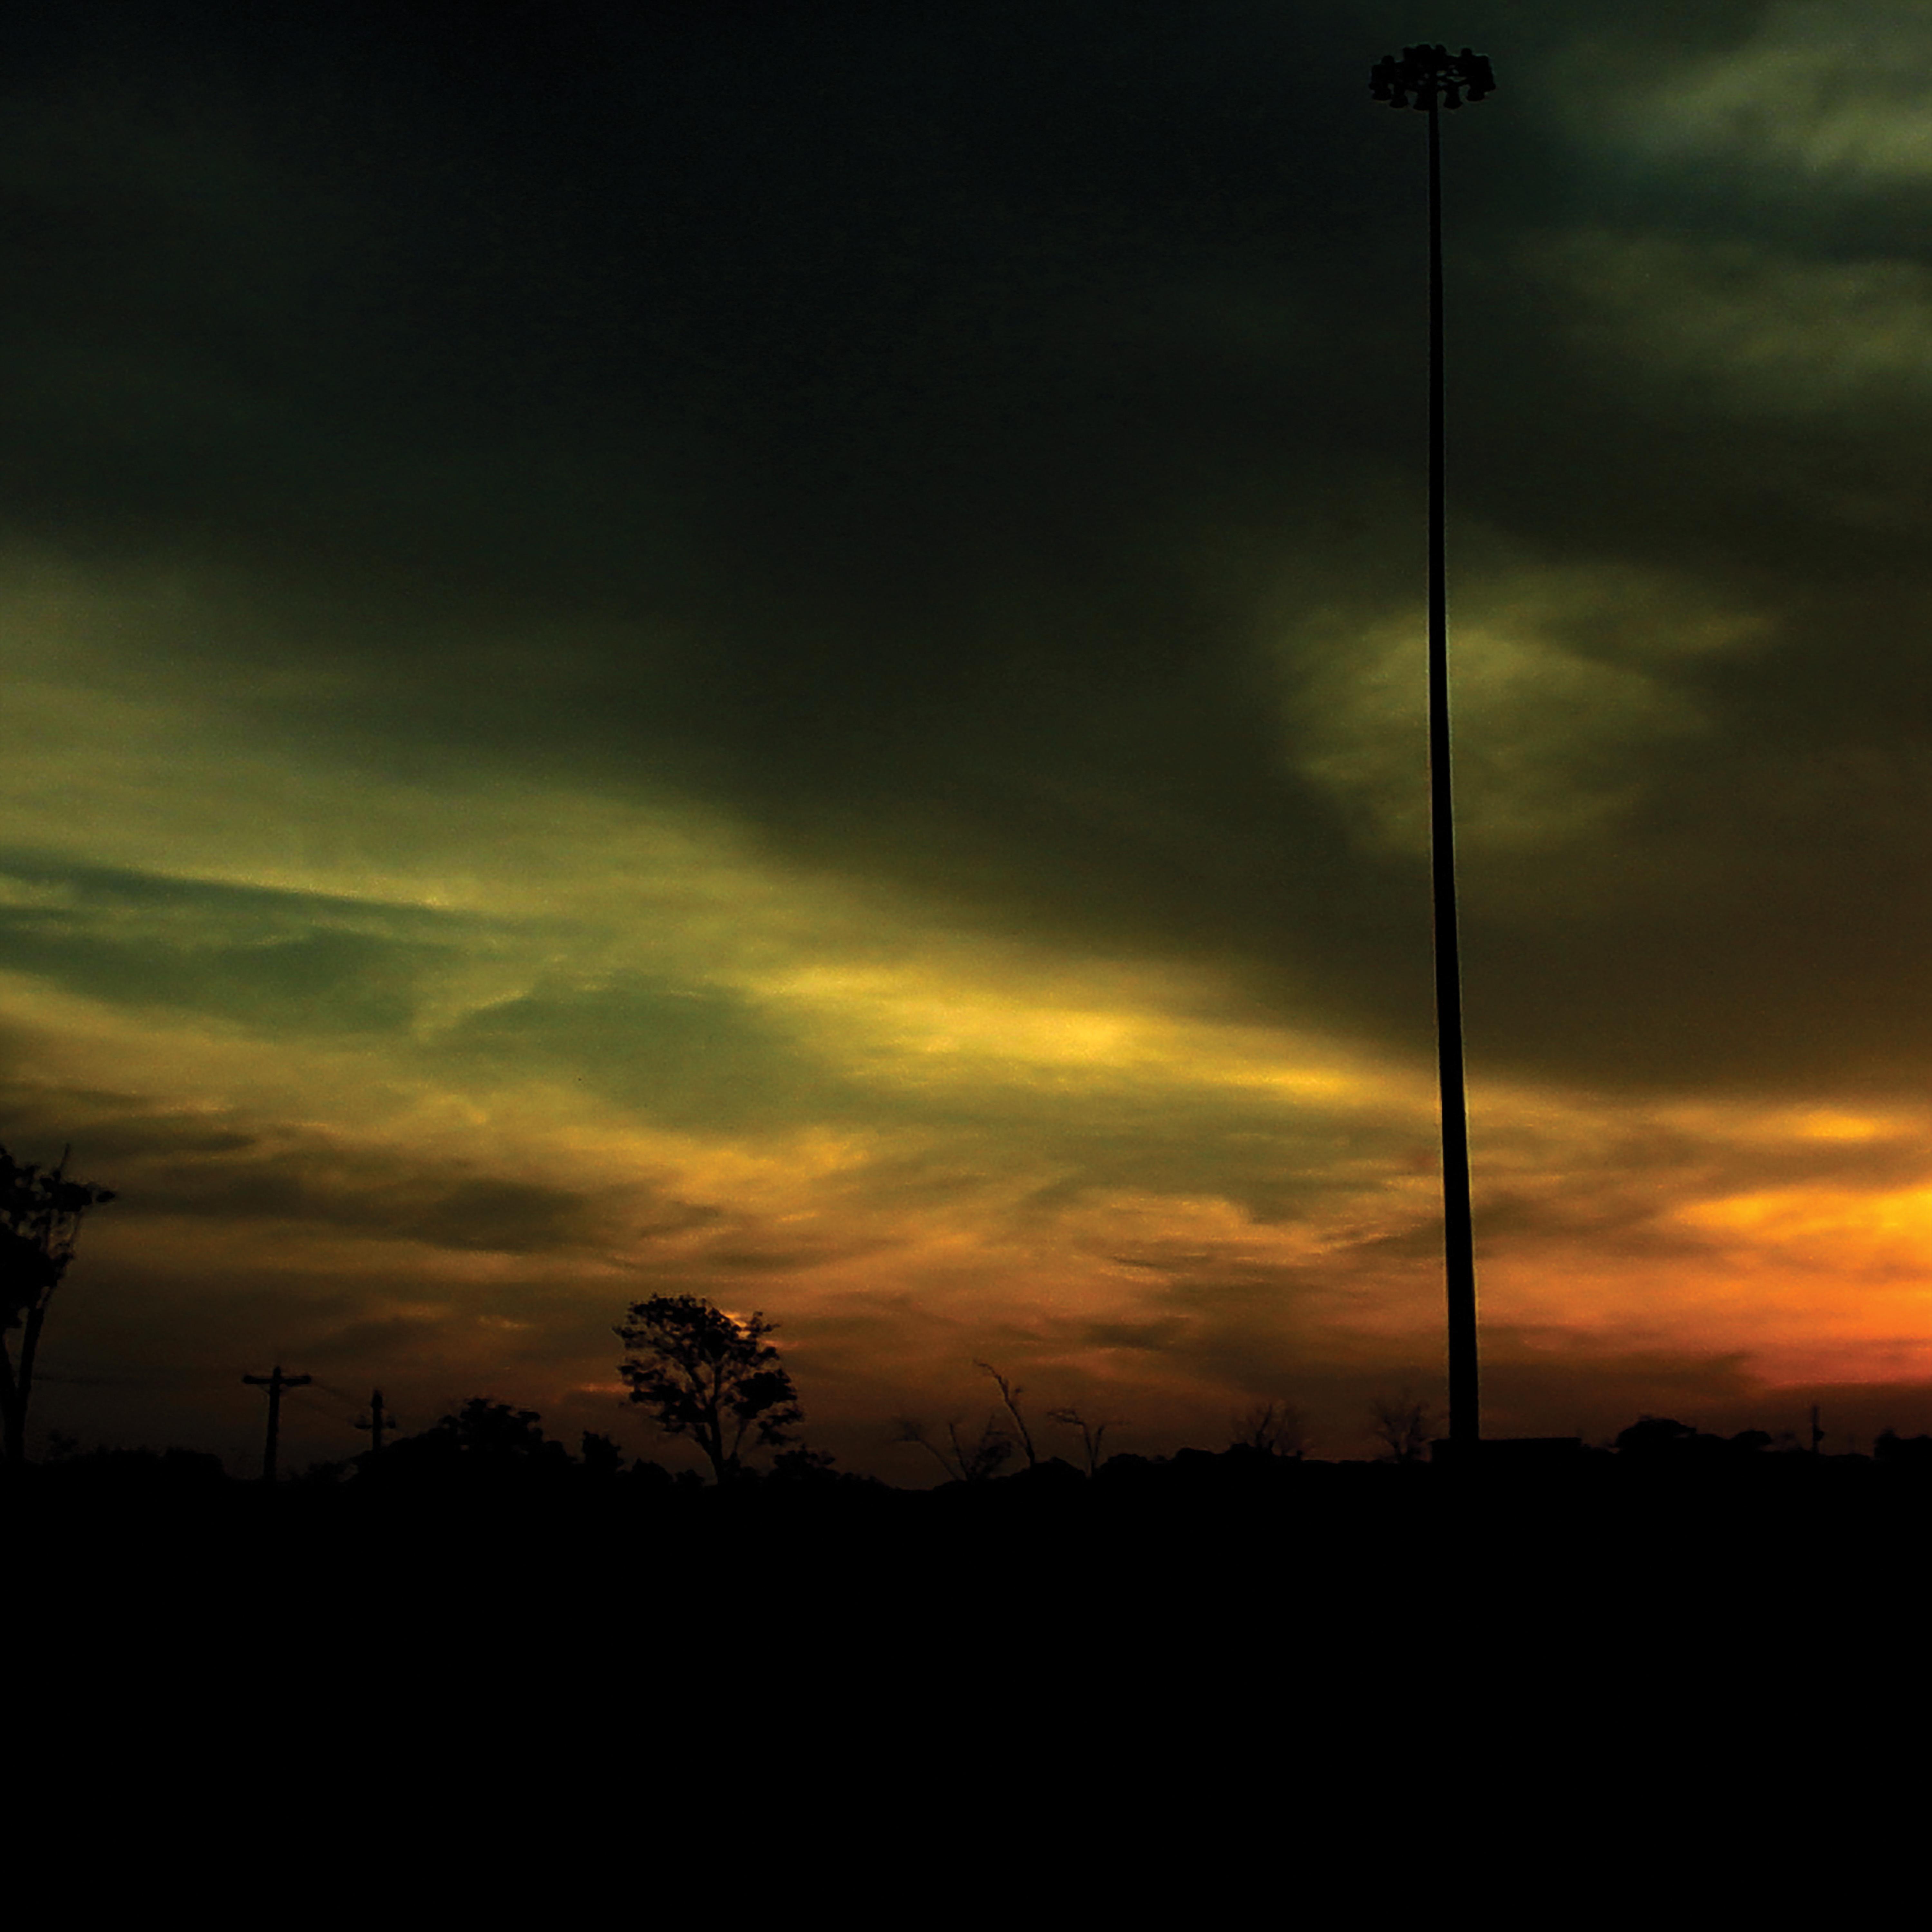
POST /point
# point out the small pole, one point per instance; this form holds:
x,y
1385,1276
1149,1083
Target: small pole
x,y
1817,1434
275,1382
378,1421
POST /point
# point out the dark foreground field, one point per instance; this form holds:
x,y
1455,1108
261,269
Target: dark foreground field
x,y
1206,1635
1230,1541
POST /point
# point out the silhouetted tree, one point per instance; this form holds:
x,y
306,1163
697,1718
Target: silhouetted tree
x,y
1660,1435
41,1212
966,1461
1903,1452
132,1472
1655,1435
494,1432
816,1470
322,1475
1009,1396
710,1376
1274,1428
1402,1423
483,1444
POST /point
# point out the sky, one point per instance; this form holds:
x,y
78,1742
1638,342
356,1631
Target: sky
x,y
777,652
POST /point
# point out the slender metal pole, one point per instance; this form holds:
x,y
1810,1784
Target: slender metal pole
x,y
1459,1239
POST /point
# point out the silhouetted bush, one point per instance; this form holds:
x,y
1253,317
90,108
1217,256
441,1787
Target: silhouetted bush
x,y
483,1446
103,1471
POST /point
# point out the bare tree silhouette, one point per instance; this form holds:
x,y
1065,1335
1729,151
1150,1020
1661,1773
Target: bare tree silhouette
x,y
1092,1434
1274,1428
963,1462
1009,1396
1403,1423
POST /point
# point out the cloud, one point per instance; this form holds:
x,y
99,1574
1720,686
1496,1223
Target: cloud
x,y
1738,328
1564,697
1831,96
337,1188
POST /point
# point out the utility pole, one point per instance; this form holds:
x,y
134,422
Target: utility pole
x,y
1817,1434
274,1383
1438,78
378,1421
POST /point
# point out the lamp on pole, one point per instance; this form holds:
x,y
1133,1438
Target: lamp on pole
x,y
1429,79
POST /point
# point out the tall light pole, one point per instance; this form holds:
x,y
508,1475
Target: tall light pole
x,y
1430,78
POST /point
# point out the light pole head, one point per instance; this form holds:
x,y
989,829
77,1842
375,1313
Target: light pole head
x,y
1433,75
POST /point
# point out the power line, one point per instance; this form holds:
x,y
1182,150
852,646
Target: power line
x,y
334,1395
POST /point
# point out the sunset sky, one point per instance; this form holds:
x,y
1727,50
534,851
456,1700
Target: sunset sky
x,y
776,651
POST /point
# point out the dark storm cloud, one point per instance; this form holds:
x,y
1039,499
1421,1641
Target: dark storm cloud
x,y
397,1200
278,1173
894,423
36,1117
267,959
230,1170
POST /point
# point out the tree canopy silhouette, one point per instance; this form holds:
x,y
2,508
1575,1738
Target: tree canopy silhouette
x,y
710,1376
483,1431
41,1211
